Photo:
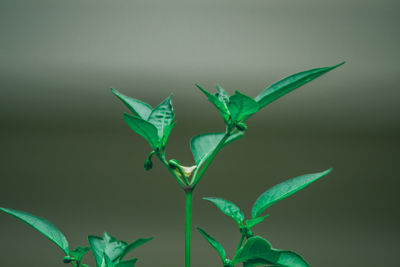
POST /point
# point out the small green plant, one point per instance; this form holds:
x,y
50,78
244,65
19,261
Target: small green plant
x,y
155,125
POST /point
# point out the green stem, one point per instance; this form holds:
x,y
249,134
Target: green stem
x,y
188,225
239,245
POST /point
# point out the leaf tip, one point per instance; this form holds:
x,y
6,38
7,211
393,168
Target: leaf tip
x,y
338,65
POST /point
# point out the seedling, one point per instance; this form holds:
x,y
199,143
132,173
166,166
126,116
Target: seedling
x,y
155,125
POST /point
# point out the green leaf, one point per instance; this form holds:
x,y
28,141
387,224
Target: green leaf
x,y
43,226
135,244
289,84
252,222
290,259
241,106
108,246
203,145
167,133
143,128
214,243
113,247
162,116
106,261
284,190
222,95
97,246
228,208
220,105
128,263
137,107
79,252
256,248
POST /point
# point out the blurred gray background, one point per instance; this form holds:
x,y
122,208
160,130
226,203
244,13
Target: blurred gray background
x,y
66,154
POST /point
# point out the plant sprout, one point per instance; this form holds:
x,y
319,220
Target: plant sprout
x,y
155,126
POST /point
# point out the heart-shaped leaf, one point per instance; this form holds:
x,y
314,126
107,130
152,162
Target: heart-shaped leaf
x,y
162,116
143,128
256,248
220,105
137,107
135,244
45,227
228,208
241,106
289,84
214,243
284,190
203,145
128,263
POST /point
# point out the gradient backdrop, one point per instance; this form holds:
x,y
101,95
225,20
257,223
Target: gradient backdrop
x,y
66,154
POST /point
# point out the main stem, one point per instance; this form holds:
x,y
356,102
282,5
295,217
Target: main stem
x,y
188,225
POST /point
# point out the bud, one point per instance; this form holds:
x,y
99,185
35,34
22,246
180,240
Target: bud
x,y
68,259
148,164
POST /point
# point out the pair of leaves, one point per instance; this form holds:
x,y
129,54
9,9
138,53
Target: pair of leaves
x,y
240,107
258,251
109,252
51,232
155,125
232,108
266,199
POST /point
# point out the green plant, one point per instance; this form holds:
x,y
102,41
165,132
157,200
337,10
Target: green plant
x,y
155,125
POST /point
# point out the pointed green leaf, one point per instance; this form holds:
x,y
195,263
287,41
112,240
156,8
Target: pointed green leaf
x,y
256,248
143,128
162,116
203,145
113,247
108,246
284,190
214,243
241,106
167,133
252,222
221,106
128,263
289,84
135,244
228,208
79,252
97,246
43,226
290,259
137,107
